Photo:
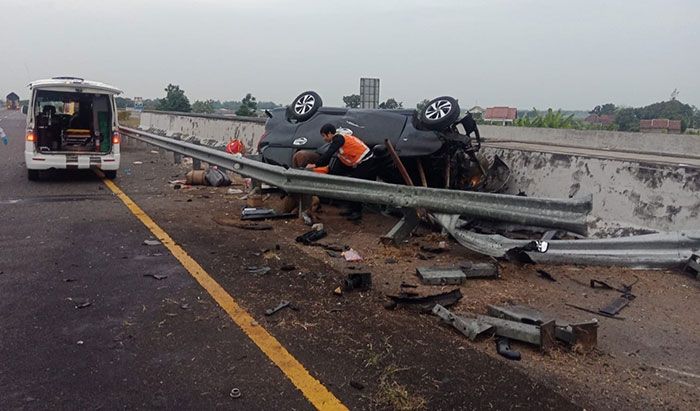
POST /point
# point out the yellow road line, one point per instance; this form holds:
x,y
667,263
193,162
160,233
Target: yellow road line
x,y
313,390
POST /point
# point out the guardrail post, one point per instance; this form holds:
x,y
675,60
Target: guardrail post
x,y
403,229
177,157
196,164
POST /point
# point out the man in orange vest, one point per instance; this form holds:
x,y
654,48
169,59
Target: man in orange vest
x,y
355,160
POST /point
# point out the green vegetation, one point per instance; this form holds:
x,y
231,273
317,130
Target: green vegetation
x,y
248,106
175,100
352,101
391,104
420,106
206,107
551,119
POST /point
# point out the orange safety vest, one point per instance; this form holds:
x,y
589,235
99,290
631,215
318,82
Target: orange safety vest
x,y
353,151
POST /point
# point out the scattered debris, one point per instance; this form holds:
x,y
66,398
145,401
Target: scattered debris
x,y
317,227
151,242
618,303
333,254
469,327
542,335
138,162
358,281
230,222
589,310
519,254
479,270
546,275
281,305
351,255
156,276
80,342
424,257
307,218
357,385
440,276
195,178
252,213
235,393
503,348
83,304
311,236
216,177
693,266
426,303
338,291
234,191
519,313
407,285
65,280
440,248
258,270
288,267
391,261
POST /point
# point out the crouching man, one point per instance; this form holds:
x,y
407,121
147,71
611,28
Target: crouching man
x,y
354,160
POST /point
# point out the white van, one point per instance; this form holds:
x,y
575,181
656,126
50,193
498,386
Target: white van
x,y
71,123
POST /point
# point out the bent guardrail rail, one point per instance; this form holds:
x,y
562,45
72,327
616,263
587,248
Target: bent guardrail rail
x,y
564,214
660,250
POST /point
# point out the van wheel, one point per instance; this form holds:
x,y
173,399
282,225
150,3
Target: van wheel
x,y
110,174
304,106
33,175
440,113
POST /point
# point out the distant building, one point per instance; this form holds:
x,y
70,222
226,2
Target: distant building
x,y
501,115
12,101
477,112
660,125
600,120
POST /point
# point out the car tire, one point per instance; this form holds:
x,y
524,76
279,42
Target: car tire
x,y
304,106
33,175
110,174
440,113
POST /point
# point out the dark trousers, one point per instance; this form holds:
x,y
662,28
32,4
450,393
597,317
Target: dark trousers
x,y
367,170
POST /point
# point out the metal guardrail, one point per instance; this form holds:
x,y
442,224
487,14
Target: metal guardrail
x,y
564,214
661,250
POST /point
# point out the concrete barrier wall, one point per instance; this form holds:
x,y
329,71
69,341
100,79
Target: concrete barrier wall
x,y
211,130
652,143
625,194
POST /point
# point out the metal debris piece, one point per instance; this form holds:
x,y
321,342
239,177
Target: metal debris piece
x,y
583,336
311,237
235,393
588,310
426,303
83,305
244,226
258,270
547,276
693,265
503,348
617,305
151,242
333,254
479,270
281,305
441,276
519,313
156,276
541,335
469,327
358,281
440,248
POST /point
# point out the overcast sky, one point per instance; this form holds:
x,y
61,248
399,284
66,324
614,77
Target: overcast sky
x,y
523,53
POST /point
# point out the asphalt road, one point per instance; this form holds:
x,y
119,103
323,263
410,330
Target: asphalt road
x,y
82,325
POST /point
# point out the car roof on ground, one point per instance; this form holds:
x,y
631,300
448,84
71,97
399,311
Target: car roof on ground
x,y
73,83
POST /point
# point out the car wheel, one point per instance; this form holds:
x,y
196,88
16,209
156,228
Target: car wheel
x,y
110,174
33,175
440,113
304,106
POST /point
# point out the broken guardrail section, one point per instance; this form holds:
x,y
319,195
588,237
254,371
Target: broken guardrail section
x,y
661,250
564,214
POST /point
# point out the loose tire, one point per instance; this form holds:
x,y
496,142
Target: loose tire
x,y
440,113
304,106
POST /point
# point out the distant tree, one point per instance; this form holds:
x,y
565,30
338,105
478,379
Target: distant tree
x,y
391,104
248,106
352,101
696,118
206,106
123,102
672,109
626,120
608,108
175,100
267,105
420,106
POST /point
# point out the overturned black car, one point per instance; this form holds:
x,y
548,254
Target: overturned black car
x,y
435,146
